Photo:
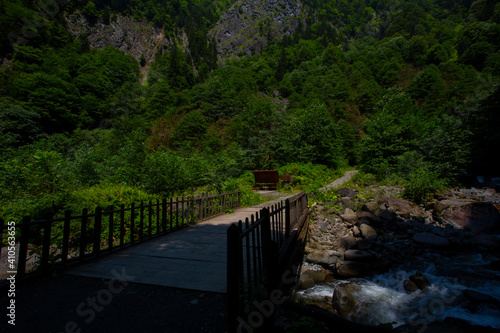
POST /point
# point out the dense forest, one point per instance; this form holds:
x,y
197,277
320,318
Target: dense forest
x,y
406,91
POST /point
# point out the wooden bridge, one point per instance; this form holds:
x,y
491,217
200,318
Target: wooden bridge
x,y
192,258
215,254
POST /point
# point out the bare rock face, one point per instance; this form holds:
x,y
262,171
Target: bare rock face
x,y
247,26
482,217
132,37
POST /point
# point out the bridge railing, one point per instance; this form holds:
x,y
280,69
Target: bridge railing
x,y
260,254
45,244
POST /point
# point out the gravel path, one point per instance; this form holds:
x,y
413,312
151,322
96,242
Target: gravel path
x,y
340,181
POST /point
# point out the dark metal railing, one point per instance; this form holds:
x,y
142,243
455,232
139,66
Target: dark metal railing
x,y
46,244
259,252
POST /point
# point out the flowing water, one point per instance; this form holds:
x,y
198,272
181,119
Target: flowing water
x,y
382,298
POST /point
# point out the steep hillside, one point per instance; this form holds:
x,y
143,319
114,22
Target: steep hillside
x,y
406,90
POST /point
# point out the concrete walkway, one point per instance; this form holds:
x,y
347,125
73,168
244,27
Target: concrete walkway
x,y
191,258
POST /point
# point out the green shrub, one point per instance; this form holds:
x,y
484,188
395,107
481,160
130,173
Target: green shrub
x,y
422,184
245,183
308,176
105,196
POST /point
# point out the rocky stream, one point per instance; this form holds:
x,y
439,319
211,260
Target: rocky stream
x,y
386,261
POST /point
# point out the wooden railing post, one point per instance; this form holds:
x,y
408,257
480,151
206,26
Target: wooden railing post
x,y
47,228
97,231
171,212
224,202
287,218
132,223
158,221
111,227
182,211
122,224
65,244
164,215
234,264
177,212
83,233
200,208
2,223
141,221
269,251
150,219
192,210
23,246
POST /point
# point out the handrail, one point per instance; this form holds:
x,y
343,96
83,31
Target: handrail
x,y
73,238
259,251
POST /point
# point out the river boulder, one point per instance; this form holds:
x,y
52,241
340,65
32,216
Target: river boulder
x,y
368,232
486,243
347,242
404,208
357,255
343,302
428,239
483,217
328,257
349,268
420,280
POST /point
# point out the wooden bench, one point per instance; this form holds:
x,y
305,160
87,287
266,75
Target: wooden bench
x,y
266,180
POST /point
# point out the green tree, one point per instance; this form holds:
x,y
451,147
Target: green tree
x,y
190,130
18,126
427,85
309,135
391,132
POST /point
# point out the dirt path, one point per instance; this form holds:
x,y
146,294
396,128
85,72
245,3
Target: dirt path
x,y
340,181
276,197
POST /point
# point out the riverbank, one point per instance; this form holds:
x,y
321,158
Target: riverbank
x,y
367,250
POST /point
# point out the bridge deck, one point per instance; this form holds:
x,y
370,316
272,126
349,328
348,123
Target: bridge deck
x,y
192,258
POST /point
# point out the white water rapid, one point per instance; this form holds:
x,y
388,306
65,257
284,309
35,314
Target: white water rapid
x,y
382,298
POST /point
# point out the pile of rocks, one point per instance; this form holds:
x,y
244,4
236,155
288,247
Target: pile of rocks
x,y
355,236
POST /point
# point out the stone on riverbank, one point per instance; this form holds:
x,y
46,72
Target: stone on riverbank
x,y
468,214
349,269
428,239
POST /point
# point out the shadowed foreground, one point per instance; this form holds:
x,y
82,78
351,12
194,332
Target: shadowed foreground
x,y
80,304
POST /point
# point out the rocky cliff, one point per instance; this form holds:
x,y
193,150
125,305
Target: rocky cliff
x,y
133,37
249,25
